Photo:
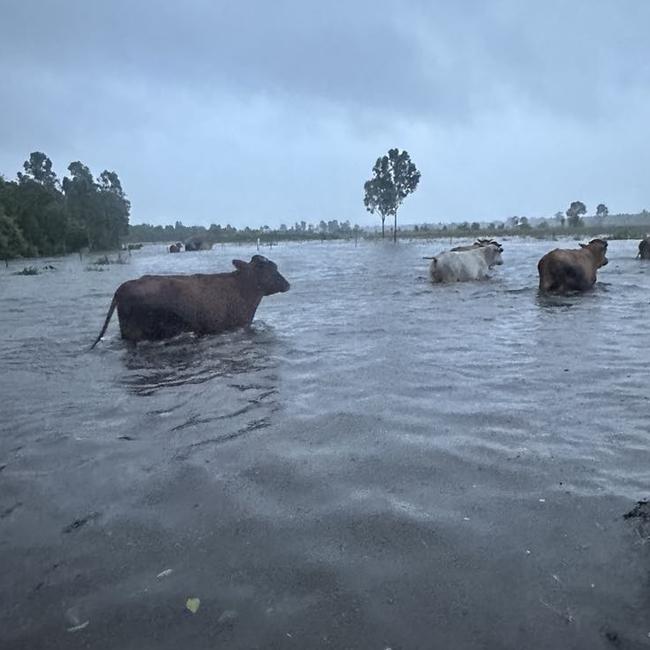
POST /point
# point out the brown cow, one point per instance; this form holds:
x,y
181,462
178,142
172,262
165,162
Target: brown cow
x,y
156,307
644,249
564,271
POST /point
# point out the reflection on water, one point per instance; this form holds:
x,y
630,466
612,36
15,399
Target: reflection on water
x,y
195,360
377,462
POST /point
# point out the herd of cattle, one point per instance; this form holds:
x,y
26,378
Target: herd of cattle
x,y
193,244
156,307
560,271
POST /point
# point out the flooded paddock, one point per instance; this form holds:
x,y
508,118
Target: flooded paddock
x,y
377,463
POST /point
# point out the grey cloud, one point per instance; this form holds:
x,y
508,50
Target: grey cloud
x,y
411,57
285,105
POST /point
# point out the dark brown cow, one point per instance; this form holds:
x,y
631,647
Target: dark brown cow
x,y
156,307
644,249
197,244
564,271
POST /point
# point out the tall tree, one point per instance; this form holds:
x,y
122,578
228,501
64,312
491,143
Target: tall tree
x,y
114,210
39,169
394,178
80,190
40,213
574,212
602,211
12,242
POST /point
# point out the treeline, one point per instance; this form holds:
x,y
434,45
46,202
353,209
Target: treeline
x,y
41,215
216,233
540,231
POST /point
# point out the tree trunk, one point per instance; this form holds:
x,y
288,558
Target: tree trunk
x,y
382,226
395,229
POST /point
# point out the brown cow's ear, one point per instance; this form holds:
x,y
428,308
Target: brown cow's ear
x,y
240,265
583,245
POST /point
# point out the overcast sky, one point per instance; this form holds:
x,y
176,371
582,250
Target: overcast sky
x,y
267,112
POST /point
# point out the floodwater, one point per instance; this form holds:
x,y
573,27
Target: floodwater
x,y
377,463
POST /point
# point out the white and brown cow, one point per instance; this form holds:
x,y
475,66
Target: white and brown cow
x,y
466,263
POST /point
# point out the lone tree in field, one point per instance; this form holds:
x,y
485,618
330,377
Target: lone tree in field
x,y
576,209
602,211
394,177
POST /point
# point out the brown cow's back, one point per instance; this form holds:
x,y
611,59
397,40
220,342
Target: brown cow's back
x,y
566,271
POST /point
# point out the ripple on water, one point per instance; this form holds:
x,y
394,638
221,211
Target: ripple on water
x,y
415,462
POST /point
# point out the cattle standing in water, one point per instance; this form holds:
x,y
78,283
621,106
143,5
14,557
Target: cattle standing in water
x,y
565,271
644,249
197,244
156,307
176,248
466,263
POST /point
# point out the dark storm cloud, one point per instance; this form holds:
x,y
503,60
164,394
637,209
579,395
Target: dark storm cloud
x,y
283,106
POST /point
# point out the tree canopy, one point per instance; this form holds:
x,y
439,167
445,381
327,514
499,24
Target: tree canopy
x,y
602,210
41,216
574,212
394,178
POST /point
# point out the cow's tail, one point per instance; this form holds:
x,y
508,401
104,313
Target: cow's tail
x,y
111,309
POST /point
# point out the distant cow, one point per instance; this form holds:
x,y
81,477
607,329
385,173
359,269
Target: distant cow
x,y
644,248
176,248
466,262
481,241
197,244
564,271
156,307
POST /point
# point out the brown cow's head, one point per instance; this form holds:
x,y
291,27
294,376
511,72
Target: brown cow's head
x,y
264,273
597,248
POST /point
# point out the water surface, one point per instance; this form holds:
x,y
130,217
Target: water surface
x,y
376,463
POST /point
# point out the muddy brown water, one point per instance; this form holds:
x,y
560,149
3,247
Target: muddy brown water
x,y
377,463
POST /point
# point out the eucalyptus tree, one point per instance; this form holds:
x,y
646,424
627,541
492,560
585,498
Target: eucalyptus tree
x,y
574,212
394,177
601,211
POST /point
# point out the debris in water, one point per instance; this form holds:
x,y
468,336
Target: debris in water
x,y
640,511
165,573
72,615
193,604
76,628
78,523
